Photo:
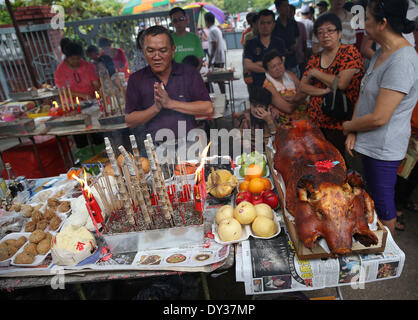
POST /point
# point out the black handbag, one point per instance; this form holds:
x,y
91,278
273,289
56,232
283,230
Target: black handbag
x,y
336,104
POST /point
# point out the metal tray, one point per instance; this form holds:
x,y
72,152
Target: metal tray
x,y
17,126
112,120
67,121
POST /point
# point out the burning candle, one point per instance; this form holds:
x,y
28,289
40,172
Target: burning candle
x,y
78,105
92,206
99,101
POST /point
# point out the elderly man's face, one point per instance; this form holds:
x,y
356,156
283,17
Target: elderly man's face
x,y
158,52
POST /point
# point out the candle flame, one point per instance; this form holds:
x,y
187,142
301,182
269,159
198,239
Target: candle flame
x,y
83,183
76,100
198,173
55,104
97,94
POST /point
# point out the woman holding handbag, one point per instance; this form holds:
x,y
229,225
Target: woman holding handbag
x,y
335,64
380,128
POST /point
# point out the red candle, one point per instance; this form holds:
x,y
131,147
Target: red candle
x,y
99,101
78,105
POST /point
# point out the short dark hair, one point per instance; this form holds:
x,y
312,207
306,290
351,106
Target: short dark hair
x,y
209,17
139,39
176,9
91,49
322,4
327,17
266,13
259,95
249,17
73,49
395,13
63,43
191,60
104,42
278,3
155,31
270,55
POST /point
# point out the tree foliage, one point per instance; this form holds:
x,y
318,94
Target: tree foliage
x,y
74,9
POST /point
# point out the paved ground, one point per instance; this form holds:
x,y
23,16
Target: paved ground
x,y
224,287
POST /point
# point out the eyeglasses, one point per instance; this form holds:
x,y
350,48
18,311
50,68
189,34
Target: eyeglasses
x,y
179,19
323,33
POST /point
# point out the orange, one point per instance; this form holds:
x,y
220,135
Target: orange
x,y
256,185
267,183
243,186
253,171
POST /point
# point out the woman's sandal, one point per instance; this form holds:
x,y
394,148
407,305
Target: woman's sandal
x,y
400,223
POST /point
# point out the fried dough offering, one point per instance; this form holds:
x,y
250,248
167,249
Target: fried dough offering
x,y
53,202
12,250
48,236
27,213
54,223
37,236
30,248
21,241
30,226
43,246
37,216
49,214
11,242
16,207
64,206
24,258
4,253
38,206
41,225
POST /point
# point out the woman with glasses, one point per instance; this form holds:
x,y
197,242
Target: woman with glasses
x,y
77,73
380,128
336,60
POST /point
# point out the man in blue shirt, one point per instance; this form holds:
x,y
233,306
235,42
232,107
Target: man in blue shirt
x,y
256,48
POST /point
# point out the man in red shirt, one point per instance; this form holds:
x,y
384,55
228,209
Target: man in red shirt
x,y
77,73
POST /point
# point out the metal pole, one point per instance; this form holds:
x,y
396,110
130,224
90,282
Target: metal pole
x,y
19,37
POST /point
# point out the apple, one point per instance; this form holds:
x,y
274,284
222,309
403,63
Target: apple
x,y
229,230
263,227
264,210
224,212
245,212
243,196
257,199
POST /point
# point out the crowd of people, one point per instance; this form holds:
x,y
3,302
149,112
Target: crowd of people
x,y
293,68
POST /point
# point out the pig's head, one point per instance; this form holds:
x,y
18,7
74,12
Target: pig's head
x,y
332,207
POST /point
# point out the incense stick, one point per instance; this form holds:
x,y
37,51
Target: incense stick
x,y
136,184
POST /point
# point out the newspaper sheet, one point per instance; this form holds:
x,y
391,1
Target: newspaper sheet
x,y
271,266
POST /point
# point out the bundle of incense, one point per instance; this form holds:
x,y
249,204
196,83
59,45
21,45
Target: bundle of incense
x,y
71,99
121,186
122,91
114,202
141,174
105,104
112,92
61,100
136,184
67,105
159,172
160,186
